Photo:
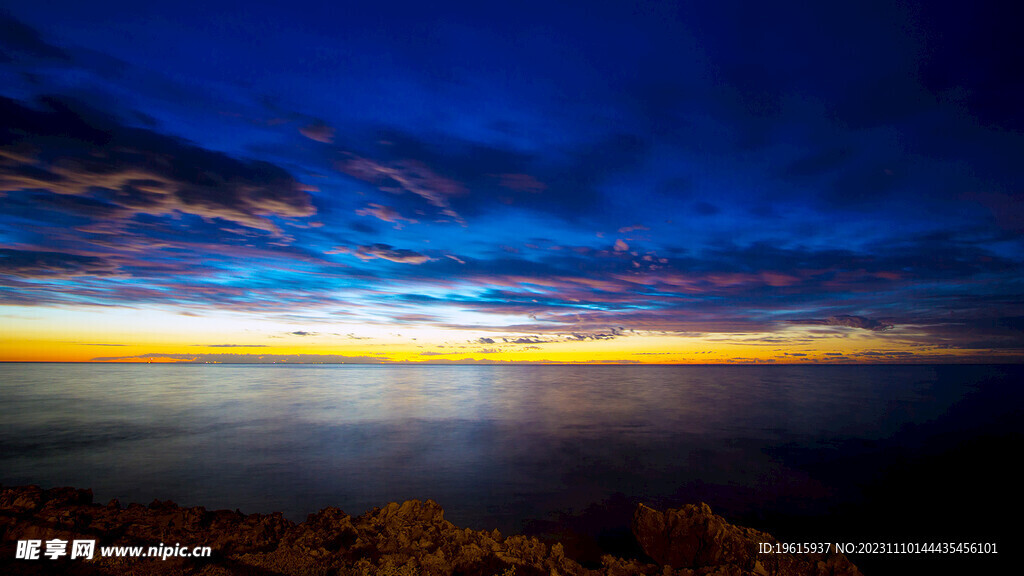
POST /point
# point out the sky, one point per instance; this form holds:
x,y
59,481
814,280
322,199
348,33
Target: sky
x,y
548,182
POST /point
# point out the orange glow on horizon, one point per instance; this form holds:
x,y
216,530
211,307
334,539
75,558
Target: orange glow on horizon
x,y
633,349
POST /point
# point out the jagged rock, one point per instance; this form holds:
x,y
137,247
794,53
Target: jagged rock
x,y
694,538
407,539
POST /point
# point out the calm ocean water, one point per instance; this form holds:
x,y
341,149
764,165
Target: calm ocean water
x,y
822,453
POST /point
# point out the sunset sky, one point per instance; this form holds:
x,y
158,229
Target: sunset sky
x,y
608,182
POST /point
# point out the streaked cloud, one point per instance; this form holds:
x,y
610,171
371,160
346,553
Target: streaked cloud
x,y
407,176
43,264
318,131
63,147
385,252
385,213
848,322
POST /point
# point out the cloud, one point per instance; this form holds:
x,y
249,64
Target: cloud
x,y
628,229
964,331
19,38
407,176
455,179
483,340
385,213
521,183
318,131
386,252
525,340
848,322
596,336
726,289
42,264
621,246
65,148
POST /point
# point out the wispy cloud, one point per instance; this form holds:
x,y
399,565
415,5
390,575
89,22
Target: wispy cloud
x,y
136,171
42,264
408,176
318,131
385,252
848,322
385,213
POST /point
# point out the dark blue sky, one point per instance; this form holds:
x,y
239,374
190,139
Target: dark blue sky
x,y
538,181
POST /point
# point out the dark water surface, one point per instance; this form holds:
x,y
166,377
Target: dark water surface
x,y
810,453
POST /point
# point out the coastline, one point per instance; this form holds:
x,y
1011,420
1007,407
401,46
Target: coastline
x,y
407,539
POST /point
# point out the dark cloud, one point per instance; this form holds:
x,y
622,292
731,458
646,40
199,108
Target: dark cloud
x,y
884,355
595,336
68,149
16,37
41,264
90,208
968,332
484,340
362,227
318,131
848,322
452,180
525,340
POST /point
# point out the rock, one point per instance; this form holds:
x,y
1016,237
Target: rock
x,y
694,538
407,539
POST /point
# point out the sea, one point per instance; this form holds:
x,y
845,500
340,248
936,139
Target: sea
x,y
838,454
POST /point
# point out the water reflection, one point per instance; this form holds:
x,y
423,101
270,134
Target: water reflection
x,y
497,446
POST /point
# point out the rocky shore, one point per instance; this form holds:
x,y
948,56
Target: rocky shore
x,y
407,539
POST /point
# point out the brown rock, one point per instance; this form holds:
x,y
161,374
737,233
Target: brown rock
x,y
694,538
411,538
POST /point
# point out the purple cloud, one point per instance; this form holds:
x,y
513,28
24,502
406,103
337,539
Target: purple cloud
x,y
318,131
848,322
